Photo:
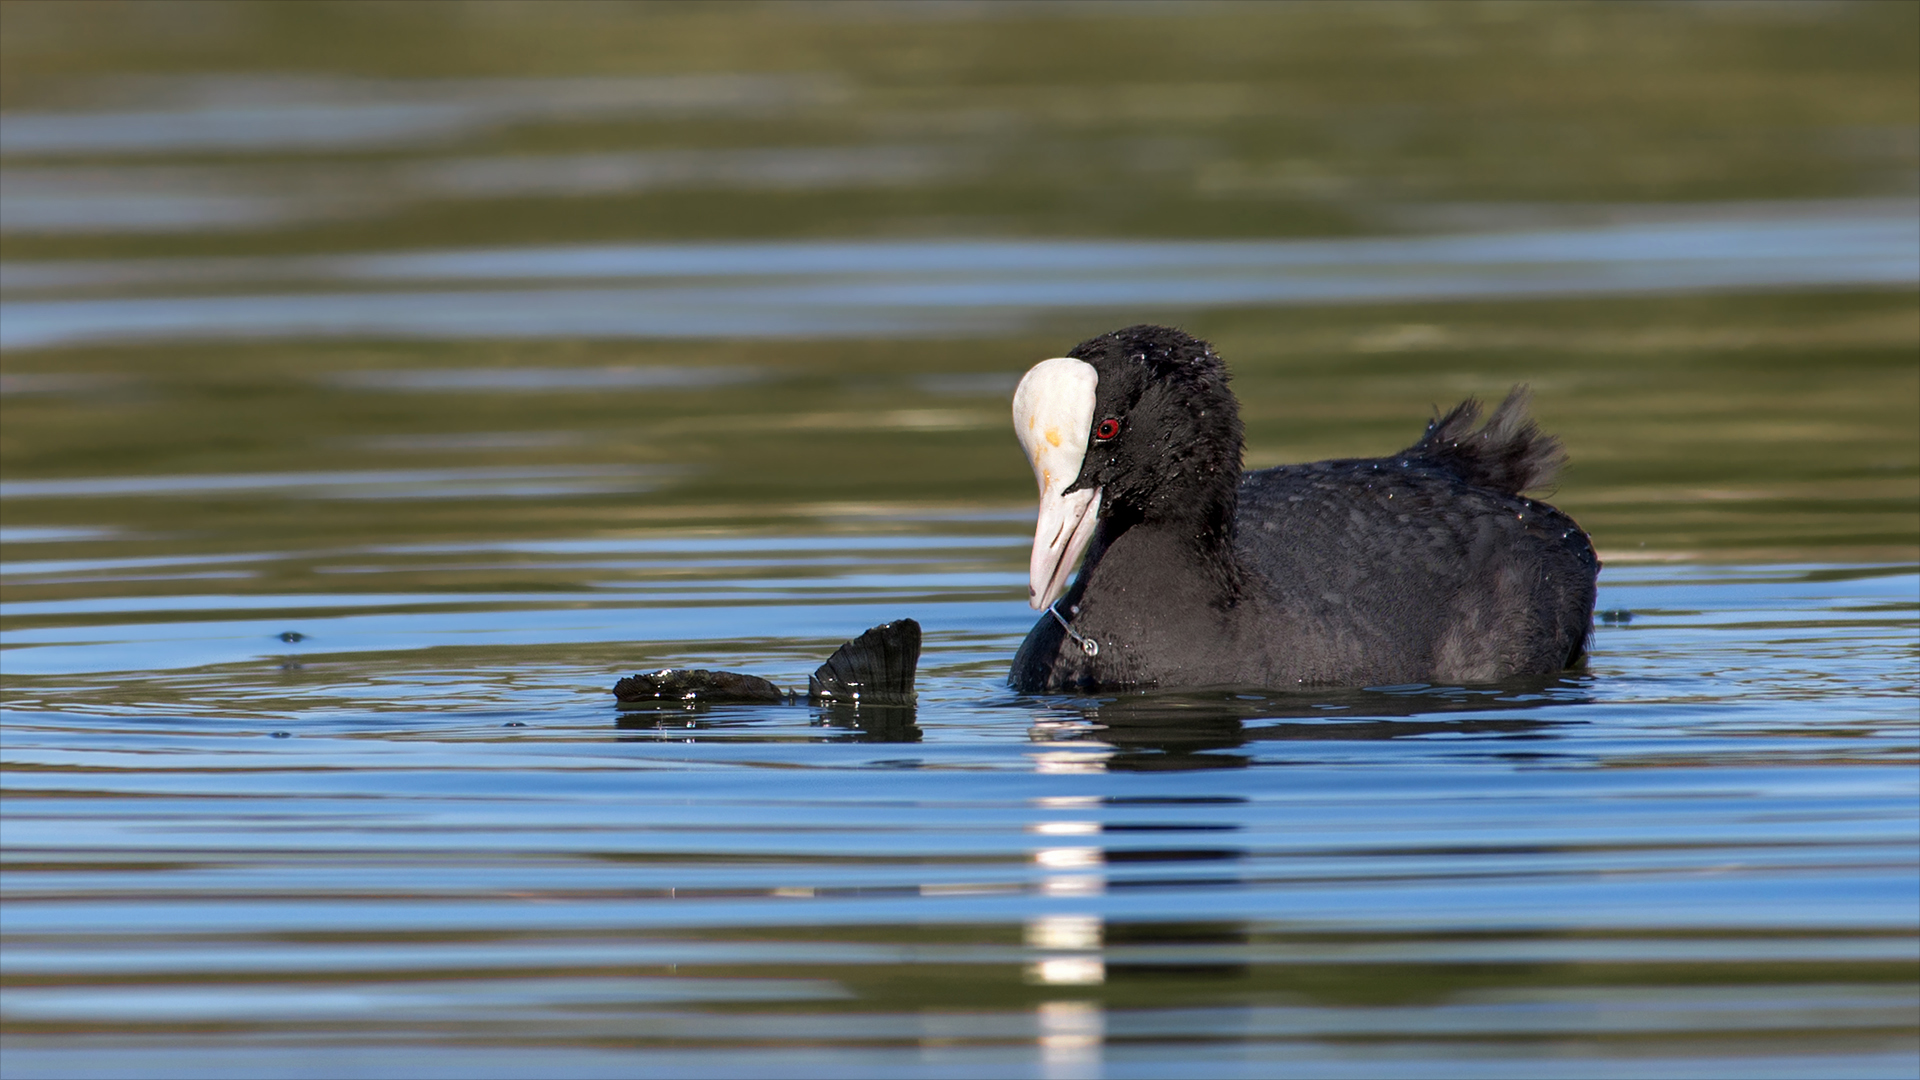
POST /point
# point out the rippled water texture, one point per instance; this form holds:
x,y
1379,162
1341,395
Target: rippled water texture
x,y
380,383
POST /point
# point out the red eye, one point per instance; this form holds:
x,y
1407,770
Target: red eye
x,y
1108,429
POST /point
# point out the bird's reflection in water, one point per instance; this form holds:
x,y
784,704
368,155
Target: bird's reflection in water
x,y
871,723
694,721
1171,732
690,720
1179,950
1071,1031
1085,955
1167,731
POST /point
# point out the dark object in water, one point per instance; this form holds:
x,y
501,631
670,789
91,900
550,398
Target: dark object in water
x,y
699,684
876,668
1427,566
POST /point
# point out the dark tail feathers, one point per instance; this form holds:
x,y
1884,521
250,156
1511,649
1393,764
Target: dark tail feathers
x,y
875,668
1509,453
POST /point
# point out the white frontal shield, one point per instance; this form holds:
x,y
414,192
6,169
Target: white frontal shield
x,y
1052,415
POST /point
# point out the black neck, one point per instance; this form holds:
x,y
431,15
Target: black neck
x,y
1197,534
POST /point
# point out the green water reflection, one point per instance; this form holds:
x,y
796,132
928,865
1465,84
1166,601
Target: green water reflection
x,y
1060,120
1749,427
1767,425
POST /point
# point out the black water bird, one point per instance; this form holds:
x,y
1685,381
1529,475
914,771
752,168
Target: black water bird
x,y
875,670
1427,566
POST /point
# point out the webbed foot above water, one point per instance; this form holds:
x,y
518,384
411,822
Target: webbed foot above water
x,y
875,668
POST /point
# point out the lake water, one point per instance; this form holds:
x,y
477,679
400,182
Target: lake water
x,y
367,412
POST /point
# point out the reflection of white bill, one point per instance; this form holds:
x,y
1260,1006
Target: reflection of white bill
x,y
1069,971
1065,932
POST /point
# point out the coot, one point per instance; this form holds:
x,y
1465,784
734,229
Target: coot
x,y
875,668
1427,566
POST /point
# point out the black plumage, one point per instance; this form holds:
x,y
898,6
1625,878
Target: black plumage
x,y
875,668
1426,566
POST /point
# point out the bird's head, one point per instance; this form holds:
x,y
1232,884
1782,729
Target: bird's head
x,y
1135,425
